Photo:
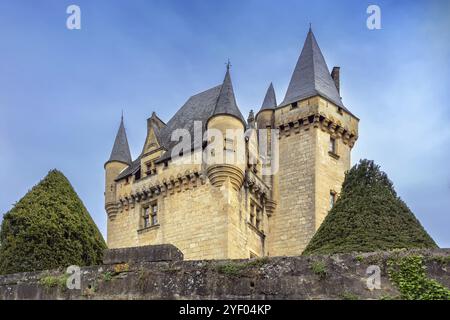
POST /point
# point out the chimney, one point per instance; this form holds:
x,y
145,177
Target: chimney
x,y
251,119
335,74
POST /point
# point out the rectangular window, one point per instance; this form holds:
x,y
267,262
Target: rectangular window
x,y
150,168
229,144
137,175
252,214
294,105
154,214
332,147
269,141
256,216
332,199
150,216
258,219
146,217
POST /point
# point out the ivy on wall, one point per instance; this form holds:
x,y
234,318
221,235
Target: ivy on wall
x,y
409,276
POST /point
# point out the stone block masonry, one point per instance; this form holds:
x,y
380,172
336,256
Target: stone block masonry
x,y
307,277
157,253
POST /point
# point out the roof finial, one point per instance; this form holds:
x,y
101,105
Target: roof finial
x,y
310,26
122,116
228,64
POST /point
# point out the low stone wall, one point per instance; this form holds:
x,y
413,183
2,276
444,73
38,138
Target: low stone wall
x,y
128,274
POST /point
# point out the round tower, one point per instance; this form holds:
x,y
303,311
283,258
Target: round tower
x,y
228,120
265,116
265,121
119,160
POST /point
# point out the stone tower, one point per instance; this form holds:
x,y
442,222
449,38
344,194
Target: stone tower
x,y
226,117
317,133
119,159
265,119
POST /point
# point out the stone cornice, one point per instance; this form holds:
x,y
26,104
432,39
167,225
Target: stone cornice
x,y
319,121
165,187
256,186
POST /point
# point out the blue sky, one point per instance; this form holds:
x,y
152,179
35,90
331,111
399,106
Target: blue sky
x,y
62,91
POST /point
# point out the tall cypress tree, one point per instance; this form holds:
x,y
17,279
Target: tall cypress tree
x,y
49,228
368,216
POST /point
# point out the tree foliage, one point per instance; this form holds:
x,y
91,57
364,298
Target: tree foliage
x,y
49,228
368,216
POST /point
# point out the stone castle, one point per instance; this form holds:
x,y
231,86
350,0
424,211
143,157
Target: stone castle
x,y
236,209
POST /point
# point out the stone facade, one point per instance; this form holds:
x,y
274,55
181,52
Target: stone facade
x,y
233,209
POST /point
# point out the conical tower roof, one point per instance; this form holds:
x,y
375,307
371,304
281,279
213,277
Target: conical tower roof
x,y
311,76
226,101
121,149
270,100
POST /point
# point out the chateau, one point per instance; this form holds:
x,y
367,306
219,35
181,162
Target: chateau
x,y
233,208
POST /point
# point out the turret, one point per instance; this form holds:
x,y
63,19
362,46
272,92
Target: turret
x,y
119,160
226,117
265,121
264,118
317,133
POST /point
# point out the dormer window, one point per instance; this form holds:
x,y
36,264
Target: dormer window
x,y
150,168
137,175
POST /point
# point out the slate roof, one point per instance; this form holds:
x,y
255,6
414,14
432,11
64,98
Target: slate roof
x,y
121,149
311,76
270,100
132,169
226,102
200,107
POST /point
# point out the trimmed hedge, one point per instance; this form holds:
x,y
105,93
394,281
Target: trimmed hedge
x,y
368,216
49,228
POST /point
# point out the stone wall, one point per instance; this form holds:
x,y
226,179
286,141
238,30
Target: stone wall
x,y
293,225
169,277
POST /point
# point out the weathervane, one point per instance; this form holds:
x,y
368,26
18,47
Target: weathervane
x,y
228,64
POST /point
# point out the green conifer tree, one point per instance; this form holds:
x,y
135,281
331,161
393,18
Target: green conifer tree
x,y
49,228
368,216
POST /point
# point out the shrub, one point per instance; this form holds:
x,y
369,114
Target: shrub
x,y
368,216
49,228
